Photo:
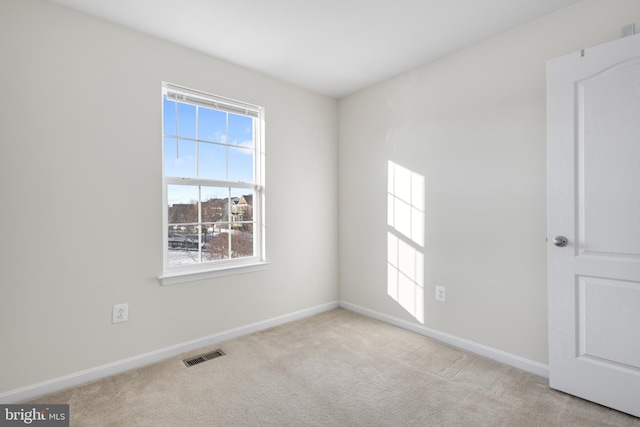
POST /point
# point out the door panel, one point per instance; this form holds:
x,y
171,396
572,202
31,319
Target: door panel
x,y
609,322
608,134
593,177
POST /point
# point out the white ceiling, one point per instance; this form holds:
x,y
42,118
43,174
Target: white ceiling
x,y
334,47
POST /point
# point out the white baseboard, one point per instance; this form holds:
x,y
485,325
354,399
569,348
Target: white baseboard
x,y
482,350
77,378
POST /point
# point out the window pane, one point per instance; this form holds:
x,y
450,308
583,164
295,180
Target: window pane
x,y
215,204
186,120
179,158
209,232
183,204
169,117
241,228
217,247
183,246
240,164
240,130
212,125
242,240
241,204
171,151
212,161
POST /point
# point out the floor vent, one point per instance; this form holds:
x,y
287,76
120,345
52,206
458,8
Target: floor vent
x,y
203,358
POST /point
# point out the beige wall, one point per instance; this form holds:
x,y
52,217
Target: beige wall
x,y
80,184
473,125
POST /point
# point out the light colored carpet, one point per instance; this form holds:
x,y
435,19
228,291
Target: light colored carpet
x,y
337,368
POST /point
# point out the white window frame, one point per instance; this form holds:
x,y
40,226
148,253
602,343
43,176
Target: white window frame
x,y
186,273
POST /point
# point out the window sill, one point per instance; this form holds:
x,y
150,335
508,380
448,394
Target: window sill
x,y
173,278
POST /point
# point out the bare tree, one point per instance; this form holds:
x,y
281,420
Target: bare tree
x,y
181,213
218,246
241,245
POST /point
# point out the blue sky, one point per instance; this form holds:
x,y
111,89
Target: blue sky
x,y
222,138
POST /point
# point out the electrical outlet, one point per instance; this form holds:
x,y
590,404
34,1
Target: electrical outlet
x,y
441,293
120,313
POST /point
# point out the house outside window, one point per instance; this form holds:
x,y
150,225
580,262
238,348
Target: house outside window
x,y
213,185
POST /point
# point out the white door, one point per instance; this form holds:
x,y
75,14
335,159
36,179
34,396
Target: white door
x,y
593,172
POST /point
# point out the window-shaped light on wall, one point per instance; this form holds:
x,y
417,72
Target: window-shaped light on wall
x,y
405,239
406,202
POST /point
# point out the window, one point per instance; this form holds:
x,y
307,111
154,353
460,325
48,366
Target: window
x,y
213,186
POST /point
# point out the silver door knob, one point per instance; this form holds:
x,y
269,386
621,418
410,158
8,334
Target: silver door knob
x,y
560,241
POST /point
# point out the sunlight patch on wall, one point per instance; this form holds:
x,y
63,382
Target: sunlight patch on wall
x,y
405,202
405,239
